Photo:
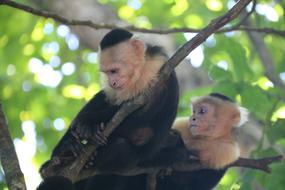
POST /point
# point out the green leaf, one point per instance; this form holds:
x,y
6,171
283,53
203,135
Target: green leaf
x,y
248,177
218,74
227,88
277,131
255,99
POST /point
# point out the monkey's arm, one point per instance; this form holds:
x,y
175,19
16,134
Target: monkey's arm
x,y
96,111
173,151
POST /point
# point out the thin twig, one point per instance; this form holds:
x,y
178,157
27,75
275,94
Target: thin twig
x,y
98,26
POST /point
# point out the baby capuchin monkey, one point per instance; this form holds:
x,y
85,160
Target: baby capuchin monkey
x,y
130,68
210,131
210,134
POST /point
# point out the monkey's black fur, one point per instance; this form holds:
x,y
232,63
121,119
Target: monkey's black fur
x,y
56,183
114,37
173,152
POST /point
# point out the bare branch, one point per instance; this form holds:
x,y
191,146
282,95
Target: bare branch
x,y
258,164
14,176
280,33
73,169
98,26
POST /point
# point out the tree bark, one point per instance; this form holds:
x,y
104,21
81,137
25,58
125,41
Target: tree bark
x,y
9,160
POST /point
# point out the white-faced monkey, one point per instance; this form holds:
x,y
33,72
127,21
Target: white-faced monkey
x,y
131,68
210,133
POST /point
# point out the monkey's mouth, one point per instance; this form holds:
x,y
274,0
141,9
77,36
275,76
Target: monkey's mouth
x,y
192,129
121,87
192,126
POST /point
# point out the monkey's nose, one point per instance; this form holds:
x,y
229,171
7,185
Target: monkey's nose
x,y
114,84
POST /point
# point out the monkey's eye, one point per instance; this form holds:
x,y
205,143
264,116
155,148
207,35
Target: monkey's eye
x,y
113,71
203,110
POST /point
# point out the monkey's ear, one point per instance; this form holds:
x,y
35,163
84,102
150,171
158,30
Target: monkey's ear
x,y
139,46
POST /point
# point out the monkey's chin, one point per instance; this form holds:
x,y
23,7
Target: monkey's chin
x,y
192,130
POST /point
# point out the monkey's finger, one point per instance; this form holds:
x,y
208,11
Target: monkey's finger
x,y
98,139
74,134
102,126
86,133
77,148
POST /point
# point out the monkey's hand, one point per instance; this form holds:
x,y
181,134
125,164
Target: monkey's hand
x,y
165,172
90,162
74,145
193,155
89,134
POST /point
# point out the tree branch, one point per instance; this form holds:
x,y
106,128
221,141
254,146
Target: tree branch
x,y
258,164
14,176
72,170
98,26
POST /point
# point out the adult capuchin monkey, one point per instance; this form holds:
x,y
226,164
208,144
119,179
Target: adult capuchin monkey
x,y
131,68
209,133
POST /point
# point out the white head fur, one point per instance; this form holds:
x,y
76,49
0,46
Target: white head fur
x,y
243,115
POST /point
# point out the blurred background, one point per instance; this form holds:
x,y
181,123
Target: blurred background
x,y
49,70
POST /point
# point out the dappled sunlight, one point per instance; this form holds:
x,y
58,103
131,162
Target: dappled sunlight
x,y
278,114
50,48
38,34
196,57
126,12
74,91
211,41
26,86
264,83
68,68
214,5
229,179
59,124
54,61
223,65
194,20
282,76
63,31
80,92
45,74
26,149
72,41
179,7
269,12
92,57
49,77
11,70
48,28
35,65
135,4
29,49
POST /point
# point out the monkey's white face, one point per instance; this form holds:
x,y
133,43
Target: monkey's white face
x,y
202,120
122,64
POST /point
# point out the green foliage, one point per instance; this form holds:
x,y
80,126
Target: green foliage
x,y
29,44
